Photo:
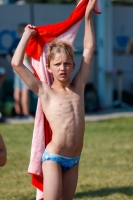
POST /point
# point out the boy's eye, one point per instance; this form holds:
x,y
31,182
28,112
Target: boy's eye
x,y
57,64
67,63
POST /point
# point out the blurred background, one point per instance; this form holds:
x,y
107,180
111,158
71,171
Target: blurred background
x,y
110,84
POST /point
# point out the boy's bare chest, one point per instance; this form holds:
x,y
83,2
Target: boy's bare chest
x,y
63,104
65,111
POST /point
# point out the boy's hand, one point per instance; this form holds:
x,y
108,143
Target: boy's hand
x,y
90,7
30,29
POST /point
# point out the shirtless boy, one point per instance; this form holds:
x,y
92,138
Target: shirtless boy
x,y
63,105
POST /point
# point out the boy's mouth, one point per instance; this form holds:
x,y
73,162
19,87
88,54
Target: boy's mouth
x,y
63,74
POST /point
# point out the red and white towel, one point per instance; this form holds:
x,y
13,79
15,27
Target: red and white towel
x,y
36,48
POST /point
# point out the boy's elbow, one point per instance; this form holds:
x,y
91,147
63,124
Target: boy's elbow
x,y
91,46
14,64
91,49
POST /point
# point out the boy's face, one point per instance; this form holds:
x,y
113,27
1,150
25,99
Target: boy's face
x,y
61,67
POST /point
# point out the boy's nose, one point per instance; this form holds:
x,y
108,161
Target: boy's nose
x,y
62,67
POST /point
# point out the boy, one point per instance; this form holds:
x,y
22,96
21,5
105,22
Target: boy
x,y
63,105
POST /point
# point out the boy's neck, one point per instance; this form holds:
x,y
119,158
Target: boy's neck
x,y
58,85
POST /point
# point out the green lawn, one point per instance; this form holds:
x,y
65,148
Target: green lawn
x,y
106,166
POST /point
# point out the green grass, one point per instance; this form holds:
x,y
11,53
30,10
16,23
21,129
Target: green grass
x,y
106,166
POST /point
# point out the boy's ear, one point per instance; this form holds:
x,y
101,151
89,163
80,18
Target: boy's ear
x,y
48,68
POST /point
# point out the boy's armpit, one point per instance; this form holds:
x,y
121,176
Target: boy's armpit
x,y
44,89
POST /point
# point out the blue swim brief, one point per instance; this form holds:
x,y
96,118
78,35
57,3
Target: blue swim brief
x,y
65,162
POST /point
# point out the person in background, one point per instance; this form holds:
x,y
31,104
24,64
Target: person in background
x,y
2,77
21,94
3,152
21,90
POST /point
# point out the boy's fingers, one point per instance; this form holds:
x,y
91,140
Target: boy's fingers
x,y
30,26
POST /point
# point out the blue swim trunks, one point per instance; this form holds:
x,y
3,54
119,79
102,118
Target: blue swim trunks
x,y
65,162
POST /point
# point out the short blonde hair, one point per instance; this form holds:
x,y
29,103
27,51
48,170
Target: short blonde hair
x,y
59,46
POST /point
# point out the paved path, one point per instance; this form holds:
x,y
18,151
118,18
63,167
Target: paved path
x,y
90,117
19,121
109,114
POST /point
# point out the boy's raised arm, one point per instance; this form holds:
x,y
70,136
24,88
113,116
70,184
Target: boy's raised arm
x,y
18,57
89,45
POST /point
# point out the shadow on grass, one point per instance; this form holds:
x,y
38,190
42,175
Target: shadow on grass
x,y
105,192
97,193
